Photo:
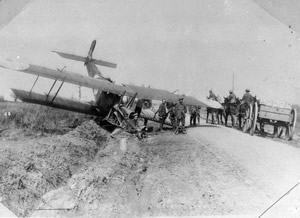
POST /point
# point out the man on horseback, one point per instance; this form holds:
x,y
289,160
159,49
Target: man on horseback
x,y
247,97
246,101
212,95
211,111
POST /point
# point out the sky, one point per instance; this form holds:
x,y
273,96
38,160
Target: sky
x,y
192,45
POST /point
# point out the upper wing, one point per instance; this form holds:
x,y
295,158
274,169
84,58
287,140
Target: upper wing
x,y
68,77
153,94
128,90
160,94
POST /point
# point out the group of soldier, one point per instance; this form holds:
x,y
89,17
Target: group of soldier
x,y
232,102
247,97
176,113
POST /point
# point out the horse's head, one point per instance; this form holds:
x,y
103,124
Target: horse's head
x,y
226,100
255,99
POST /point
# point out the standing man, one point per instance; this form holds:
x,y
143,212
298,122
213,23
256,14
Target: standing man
x,y
193,115
180,110
138,107
231,108
172,115
162,113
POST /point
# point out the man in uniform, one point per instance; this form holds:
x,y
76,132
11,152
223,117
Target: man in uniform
x,y
172,115
193,115
162,113
231,97
180,110
212,95
138,107
246,100
247,97
232,107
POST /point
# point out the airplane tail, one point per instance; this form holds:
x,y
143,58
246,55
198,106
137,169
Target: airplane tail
x,y
89,62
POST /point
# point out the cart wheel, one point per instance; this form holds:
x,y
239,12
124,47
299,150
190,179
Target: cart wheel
x,y
254,118
247,119
292,124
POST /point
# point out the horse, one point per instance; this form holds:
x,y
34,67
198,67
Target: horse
x,y
193,115
219,113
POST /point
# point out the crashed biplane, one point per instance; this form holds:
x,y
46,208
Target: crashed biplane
x,y
108,105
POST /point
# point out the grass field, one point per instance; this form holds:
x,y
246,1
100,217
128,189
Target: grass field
x,y
37,118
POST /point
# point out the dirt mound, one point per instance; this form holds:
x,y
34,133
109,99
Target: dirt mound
x,y
110,185
29,169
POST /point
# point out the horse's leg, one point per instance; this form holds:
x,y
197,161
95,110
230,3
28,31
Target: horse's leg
x,y
226,118
207,114
232,120
221,116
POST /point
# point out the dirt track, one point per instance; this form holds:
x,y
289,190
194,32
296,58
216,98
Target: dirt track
x,y
212,170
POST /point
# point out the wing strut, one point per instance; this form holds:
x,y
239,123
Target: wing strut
x,y
57,91
60,70
34,84
51,88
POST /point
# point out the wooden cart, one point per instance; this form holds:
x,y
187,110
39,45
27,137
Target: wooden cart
x,y
282,117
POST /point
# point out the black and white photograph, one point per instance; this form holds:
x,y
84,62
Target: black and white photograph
x,y
150,108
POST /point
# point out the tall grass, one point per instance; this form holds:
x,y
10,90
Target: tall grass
x,y
34,118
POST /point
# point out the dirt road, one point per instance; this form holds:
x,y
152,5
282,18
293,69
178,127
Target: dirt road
x,y
211,171
272,167
215,170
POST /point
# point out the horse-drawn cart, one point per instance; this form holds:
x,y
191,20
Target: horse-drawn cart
x,y
281,116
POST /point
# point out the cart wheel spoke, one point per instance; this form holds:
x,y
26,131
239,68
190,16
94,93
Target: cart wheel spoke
x,y
292,124
254,118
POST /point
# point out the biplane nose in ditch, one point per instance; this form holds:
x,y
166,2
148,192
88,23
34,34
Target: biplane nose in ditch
x,y
108,105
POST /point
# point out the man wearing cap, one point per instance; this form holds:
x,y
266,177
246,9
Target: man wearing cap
x,y
231,108
247,97
231,97
180,110
162,113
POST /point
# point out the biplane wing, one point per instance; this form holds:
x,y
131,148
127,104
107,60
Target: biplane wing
x,y
102,85
68,77
160,94
61,103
